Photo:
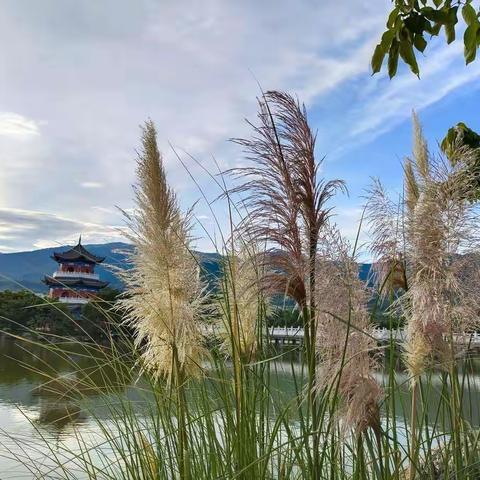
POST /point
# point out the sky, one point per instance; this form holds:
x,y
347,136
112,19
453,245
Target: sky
x,y
77,79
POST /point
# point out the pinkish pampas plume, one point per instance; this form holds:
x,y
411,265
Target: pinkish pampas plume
x,y
434,229
344,337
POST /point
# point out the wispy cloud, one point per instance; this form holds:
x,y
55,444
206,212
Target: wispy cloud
x,y
17,126
24,229
91,184
387,103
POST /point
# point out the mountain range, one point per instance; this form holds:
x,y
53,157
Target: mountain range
x,y
25,270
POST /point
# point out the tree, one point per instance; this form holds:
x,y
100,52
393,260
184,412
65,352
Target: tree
x,y
412,23
461,145
99,317
24,310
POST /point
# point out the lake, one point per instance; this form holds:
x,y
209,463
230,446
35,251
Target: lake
x,y
30,411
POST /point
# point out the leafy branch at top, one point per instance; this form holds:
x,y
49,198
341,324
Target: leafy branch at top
x,y
412,23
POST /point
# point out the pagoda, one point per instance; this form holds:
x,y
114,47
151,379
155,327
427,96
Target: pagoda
x,y
75,281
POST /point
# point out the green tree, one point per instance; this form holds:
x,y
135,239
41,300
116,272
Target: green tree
x,y
412,23
100,316
24,310
461,145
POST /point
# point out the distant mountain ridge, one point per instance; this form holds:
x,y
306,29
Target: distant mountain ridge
x,y
25,270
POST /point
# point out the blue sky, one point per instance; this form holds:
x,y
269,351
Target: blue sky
x,y
78,78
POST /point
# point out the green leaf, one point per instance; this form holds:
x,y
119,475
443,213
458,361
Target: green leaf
x,y
415,23
392,17
408,56
437,2
377,58
470,42
437,16
420,43
434,29
393,58
469,14
386,40
452,15
450,33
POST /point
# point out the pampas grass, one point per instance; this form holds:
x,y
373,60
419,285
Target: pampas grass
x,y
344,340
438,227
242,302
387,240
166,299
287,205
246,410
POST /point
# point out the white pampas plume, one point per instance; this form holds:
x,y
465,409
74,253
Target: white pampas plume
x,y
165,297
440,302
385,219
344,340
420,148
243,302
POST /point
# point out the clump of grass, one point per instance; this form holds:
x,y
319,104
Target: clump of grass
x,y
165,301
179,410
432,231
287,209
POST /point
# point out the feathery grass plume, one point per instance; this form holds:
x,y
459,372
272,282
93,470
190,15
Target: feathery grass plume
x,y
441,301
287,209
344,340
411,186
388,219
428,230
420,148
416,170
165,296
285,197
385,219
438,227
428,315
241,300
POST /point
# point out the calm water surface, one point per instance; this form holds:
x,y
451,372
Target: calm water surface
x,y
30,411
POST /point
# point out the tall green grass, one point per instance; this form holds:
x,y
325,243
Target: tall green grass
x,y
259,430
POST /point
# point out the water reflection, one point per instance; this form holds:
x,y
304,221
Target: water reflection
x,y
51,387
41,388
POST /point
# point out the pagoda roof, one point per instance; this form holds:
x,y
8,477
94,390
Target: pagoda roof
x,y
77,282
77,253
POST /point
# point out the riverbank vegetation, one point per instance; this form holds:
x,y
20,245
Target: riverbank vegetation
x,y
23,311
206,410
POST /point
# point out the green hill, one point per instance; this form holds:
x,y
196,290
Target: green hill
x,y
25,270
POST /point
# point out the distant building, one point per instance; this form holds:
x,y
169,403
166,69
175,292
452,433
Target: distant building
x,y
75,280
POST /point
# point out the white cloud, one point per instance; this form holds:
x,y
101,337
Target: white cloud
x,y
193,68
91,184
23,229
17,126
104,209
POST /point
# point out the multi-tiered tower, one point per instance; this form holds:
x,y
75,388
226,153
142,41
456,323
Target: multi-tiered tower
x,y
75,280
